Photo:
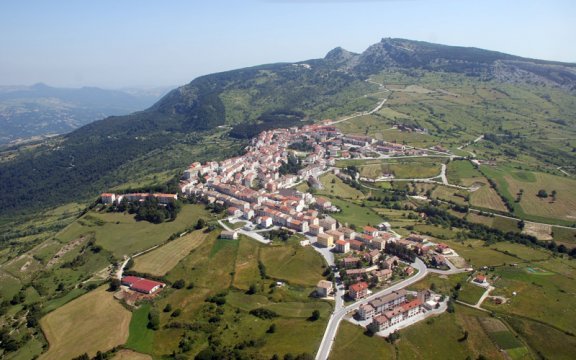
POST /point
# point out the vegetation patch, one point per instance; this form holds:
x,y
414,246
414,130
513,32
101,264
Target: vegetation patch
x,y
141,337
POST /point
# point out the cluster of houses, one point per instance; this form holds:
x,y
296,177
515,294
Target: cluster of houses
x,y
111,198
252,186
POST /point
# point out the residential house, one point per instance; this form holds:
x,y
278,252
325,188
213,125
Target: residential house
x,y
342,246
358,290
337,235
378,243
324,288
372,256
325,240
316,229
366,311
107,198
232,235
391,262
350,262
369,230
382,275
356,245
328,224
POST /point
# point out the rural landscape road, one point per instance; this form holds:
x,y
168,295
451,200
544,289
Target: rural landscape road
x,y
338,315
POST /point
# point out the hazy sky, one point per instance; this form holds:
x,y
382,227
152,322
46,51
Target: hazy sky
x,y
146,43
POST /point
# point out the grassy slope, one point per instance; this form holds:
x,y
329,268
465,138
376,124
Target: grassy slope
x,y
123,235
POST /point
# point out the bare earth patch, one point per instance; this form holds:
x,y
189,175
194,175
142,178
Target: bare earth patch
x,y
539,231
64,250
130,355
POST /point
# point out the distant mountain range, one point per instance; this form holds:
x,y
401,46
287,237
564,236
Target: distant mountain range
x,y
87,157
38,110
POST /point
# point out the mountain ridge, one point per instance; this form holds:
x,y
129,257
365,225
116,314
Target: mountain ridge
x,y
319,88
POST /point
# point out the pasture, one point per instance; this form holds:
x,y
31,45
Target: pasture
x,y
334,186
95,321
355,214
351,339
140,337
122,235
560,209
161,260
293,263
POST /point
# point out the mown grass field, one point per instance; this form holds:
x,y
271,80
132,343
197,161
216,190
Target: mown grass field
x,y
95,321
487,198
122,235
161,260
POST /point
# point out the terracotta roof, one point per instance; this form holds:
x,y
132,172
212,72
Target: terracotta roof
x,y
359,286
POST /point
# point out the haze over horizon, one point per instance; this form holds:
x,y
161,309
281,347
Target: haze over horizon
x,y
132,43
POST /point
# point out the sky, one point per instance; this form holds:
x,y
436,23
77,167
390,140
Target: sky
x,y
157,43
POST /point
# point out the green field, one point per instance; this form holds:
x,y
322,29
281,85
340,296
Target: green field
x,y
415,340
161,260
68,327
122,235
355,214
470,293
140,338
293,263
351,339
534,286
229,268
334,186
246,270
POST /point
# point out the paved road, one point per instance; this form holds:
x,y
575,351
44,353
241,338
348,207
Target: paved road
x,y
251,234
338,315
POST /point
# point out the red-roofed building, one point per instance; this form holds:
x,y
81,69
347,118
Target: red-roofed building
x,y
358,290
342,246
142,285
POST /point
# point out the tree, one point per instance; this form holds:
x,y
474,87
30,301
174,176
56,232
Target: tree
x,y
167,308
252,289
521,224
271,329
315,315
176,313
179,284
450,306
114,284
200,224
542,193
